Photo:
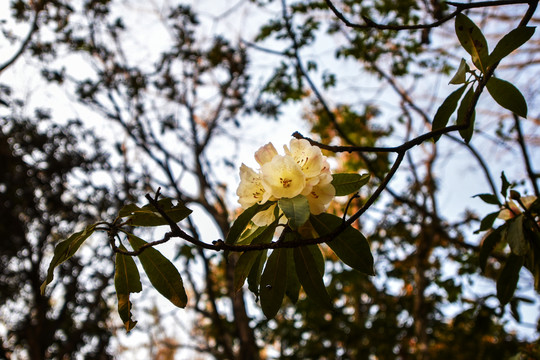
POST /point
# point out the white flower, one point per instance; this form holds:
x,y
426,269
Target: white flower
x,y
282,177
319,197
308,157
507,214
250,191
265,154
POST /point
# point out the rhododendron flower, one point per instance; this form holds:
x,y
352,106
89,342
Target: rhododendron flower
x,y
308,157
282,177
515,209
319,197
265,154
302,170
250,191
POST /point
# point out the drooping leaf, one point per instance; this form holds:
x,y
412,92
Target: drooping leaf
x,y
317,257
461,74
247,259
508,279
446,110
149,216
507,95
487,222
515,237
350,245
488,198
126,281
296,210
467,133
489,243
293,284
64,250
348,183
510,42
473,41
161,272
254,277
274,282
243,220
309,276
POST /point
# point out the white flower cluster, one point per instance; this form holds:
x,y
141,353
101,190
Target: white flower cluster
x,y
303,170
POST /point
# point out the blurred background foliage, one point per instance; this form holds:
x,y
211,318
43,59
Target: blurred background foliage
x,y
103,101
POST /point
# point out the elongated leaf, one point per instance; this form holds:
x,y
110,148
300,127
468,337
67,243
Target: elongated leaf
x,y
505,185
348,183
254,277
243,220
467,133
508,279
446,110
507,95
461,74
489,198
126,281
515,237
274,282
296,209
161,272
149,216
488,244
350,245
293,284
487,222
509,43
473,41
310,277
64,250
247,259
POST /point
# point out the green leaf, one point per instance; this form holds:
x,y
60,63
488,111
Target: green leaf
x,y
473,41
509,43
508,279
247,236
149,216
515,237
505,185
126,281
254,277
507,95
293,284
489,243
247,259
310,277
243,220
161,272
350,245
460,76
348,183
446,109
487,222
274,282
488,198
467,133
296,209
64,250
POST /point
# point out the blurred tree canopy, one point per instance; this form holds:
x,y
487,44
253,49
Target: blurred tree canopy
x,y
123,126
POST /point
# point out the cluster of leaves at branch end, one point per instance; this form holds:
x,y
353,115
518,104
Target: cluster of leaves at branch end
x,y
294,266
162,274
503,92
520,232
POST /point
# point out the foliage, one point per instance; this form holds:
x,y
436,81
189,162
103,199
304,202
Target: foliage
x,y
325,290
